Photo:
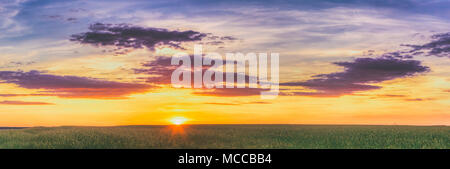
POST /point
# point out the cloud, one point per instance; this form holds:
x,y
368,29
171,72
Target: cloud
x,y
20,95
62,18
399,54
71,19
71,86
230,92
357,76
134,37
160,70
24,103
9,25
439,46
359,73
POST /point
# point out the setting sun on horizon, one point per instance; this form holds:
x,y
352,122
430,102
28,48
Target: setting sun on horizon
x,y
178,120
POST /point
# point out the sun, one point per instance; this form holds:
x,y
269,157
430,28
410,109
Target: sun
x,y
178,120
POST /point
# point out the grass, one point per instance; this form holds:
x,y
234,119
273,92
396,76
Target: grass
x,y
229,136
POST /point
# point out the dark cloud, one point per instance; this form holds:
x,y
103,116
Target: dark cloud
x,y
215,43
215,40
71,19
398,54
230,38
159,71
54,16
358,74
438,46
222,38
134,37
23,103
71,86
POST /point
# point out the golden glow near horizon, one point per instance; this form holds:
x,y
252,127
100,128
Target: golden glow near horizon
x,y
178,120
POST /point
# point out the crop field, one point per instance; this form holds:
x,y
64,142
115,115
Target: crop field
x,y
228,136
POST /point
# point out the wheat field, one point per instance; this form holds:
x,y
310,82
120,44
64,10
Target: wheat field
x,y
228,136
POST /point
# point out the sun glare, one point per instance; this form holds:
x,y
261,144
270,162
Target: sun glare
x,y
178,120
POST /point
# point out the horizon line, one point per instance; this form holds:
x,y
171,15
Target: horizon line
x,y
226,124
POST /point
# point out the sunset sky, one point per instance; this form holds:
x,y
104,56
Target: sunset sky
x,y
107,62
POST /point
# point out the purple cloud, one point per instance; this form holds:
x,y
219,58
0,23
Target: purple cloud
x,y
23,103
230,92
134,37
71,86
439,46
160,72
358,74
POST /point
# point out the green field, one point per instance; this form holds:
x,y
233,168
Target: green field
x,y
228,136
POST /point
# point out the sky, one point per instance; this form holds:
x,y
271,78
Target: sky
x,y
102,63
